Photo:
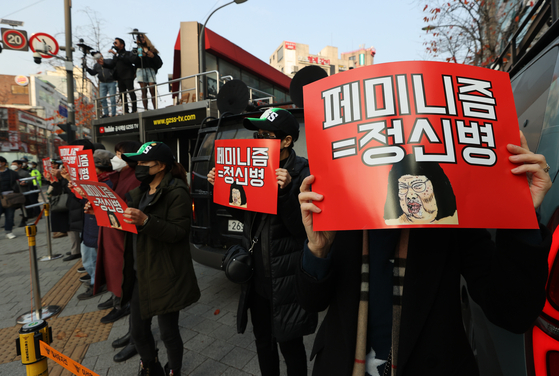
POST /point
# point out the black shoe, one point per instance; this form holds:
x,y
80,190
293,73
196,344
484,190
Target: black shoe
x,y
126,353
152,368
114,315
22,224
171,372
106,305
68,253
85,278
121,342
81,270
72,257
88,294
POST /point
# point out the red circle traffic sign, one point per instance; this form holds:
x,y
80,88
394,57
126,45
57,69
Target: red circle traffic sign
x,y
14,39
41,38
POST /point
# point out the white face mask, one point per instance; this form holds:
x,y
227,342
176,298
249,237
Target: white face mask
x,y
117,163
13,167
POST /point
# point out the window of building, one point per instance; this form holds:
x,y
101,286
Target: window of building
x,y
352,58
228,69
3,119
211,62
280,54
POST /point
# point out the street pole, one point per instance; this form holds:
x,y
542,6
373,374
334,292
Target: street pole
x,y
202,51
69,65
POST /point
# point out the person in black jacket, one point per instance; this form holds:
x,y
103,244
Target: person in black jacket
x,y
277,317
124,71
414,323
147,64
8,182
107,84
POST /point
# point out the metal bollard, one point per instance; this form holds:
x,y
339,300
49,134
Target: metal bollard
x,y
40,312
49,257
27,345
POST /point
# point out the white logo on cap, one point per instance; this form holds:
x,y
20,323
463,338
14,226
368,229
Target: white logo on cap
x,y
272,116
147,149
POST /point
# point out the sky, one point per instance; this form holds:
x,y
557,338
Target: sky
x,y
258,26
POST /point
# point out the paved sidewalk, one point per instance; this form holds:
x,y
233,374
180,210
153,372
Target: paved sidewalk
x,y
208,328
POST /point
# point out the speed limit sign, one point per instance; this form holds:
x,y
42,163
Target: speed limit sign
x,y
15,39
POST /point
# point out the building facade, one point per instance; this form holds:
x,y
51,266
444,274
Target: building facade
x,y
290,57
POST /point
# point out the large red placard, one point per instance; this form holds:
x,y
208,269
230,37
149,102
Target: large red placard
x,y
418,144
245,174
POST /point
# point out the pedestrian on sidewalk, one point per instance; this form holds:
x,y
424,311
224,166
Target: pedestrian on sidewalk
x,y
104,169
159,278
8,183
24,186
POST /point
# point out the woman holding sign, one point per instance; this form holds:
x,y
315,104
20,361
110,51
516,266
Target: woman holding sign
x,y
277,317
159,277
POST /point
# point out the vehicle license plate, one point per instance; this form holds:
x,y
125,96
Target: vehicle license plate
x,y
235,226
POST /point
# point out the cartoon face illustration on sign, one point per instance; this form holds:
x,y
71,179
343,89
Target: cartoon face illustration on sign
x,y
237,196
114,221
419,193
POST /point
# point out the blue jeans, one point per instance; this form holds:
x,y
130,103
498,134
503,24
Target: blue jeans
x,y
110,88
9,218
89,260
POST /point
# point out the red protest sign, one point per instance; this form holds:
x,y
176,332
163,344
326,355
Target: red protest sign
x,y
415,143
47,173
69,159
85,166
245,174
107,205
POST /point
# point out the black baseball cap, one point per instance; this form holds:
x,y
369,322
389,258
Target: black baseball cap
x,y
275,119
151,151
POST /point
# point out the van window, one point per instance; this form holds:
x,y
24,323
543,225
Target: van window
x,y
551,118
531,89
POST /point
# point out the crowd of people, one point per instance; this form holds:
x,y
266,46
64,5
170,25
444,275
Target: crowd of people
x,y
412,322
141,63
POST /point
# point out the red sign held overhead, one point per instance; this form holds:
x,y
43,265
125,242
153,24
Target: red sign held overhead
x,y
421,144
14,39
40,40
245,174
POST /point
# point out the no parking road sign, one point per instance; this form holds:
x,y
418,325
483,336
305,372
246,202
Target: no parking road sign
x,y
15,39
39,40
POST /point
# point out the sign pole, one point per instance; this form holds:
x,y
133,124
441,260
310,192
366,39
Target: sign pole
x,y
69,68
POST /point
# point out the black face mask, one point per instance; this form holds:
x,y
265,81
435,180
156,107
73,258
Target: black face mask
x,y
143,175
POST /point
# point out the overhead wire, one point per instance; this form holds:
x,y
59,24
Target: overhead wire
x,y
19,10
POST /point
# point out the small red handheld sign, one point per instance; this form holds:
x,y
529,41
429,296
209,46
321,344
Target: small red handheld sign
x,y
245,174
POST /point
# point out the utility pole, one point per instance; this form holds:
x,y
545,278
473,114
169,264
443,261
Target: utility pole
x,y
69,65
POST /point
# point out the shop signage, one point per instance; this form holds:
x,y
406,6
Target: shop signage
x,y
290,45
107,130
181,119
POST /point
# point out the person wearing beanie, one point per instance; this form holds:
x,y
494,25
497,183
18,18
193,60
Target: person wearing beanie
x,y
90,235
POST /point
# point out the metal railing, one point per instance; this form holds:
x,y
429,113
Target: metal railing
x,y
121,97
255,95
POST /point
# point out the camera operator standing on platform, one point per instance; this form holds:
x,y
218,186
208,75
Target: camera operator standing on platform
x,y
147,63
124,71
107,84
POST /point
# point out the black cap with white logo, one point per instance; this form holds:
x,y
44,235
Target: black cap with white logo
x,y
275,119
